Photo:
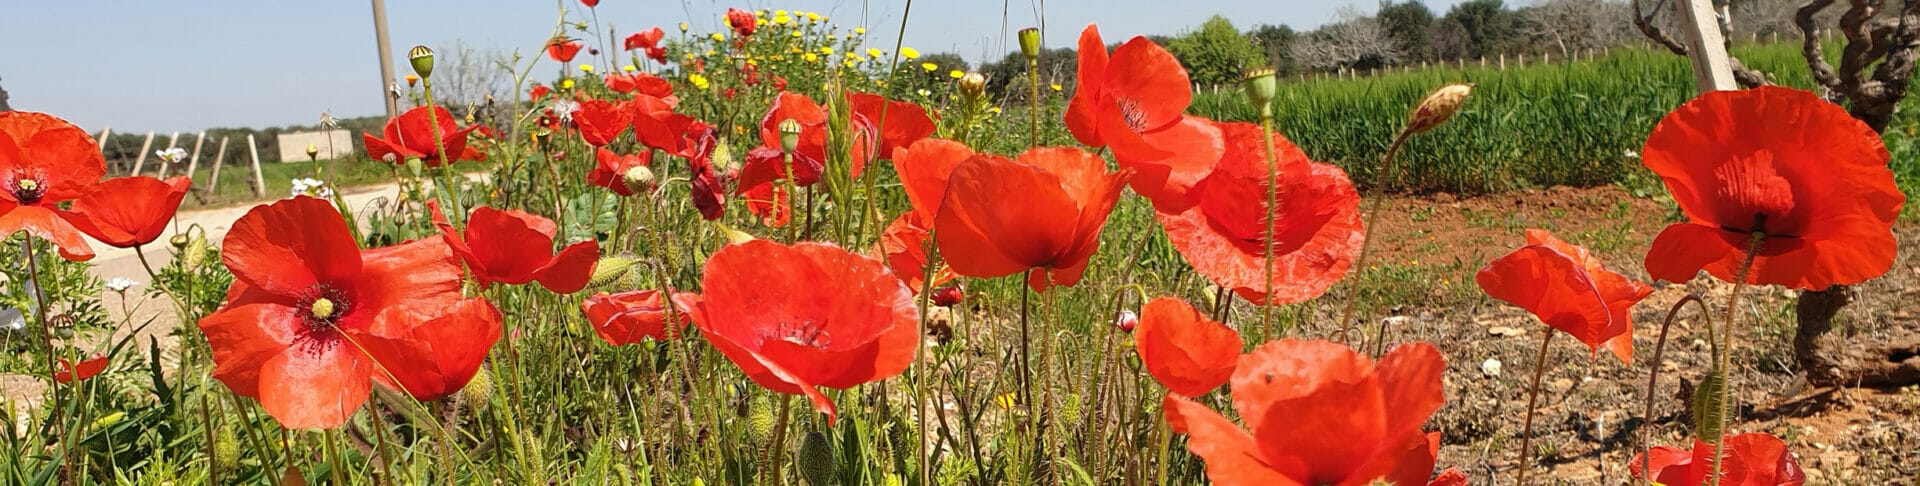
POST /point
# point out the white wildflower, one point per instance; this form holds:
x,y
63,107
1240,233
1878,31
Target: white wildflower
x,y
308,186
172,155
121,284
1632,154
564,108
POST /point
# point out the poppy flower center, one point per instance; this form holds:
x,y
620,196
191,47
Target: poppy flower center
x,y
1754,192
322,310
28,191
806,333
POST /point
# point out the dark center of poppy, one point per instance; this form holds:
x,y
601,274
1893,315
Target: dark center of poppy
x,y
1136,117
1753,192
322,309
28,191
805,333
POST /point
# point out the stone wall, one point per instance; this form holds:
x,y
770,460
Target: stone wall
x,y
293,145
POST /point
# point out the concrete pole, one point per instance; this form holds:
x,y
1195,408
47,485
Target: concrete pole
x,y
141,162
1712,68
194,163
386,57
219,159
259,181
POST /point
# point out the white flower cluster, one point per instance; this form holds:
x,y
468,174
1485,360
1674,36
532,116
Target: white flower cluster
x,y
564,109
121,284
172,155
308,186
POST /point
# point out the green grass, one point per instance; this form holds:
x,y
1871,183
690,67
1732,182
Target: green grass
x,y
1534,126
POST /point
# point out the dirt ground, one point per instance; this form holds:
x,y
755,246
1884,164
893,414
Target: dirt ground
x,y
1588,425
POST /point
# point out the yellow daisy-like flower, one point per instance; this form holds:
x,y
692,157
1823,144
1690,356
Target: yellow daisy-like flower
x,y
683,27
587,68
760,22
629,68
909,53
566,83
860,30
782,19
826,50
796,35
709,52
698,80
849,63
780,13
811,57
1007,400
794,49
874,52
929,67
1055,86
994,110
813,17
955,74
719,38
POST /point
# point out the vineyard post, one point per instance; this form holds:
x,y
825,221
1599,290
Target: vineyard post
x,y
166,163
1712,69
219,158
105,132
1503,61
141,161
194,162
259,181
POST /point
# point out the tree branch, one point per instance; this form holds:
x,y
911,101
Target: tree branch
x,y
1643,20
1810,44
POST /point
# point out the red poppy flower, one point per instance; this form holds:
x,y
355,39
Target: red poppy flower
x,y
924,168
770,202
514,247
88,368
948,296
431,353
657,126
590,3
697,145
659,55
600,121
767,162
901,123
642,84
538,92
611,171
1317,412
1317,229
45,161
798,317
742,22
645,39
1041,213
563,49
904,245
624,318
128,211
1140,89
1184,350
1568,289
303,293
1752,459
410,136
1779,162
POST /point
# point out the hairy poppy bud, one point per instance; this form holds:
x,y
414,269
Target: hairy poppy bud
x,y
973,85
789,134
226,449
1261,88
1030,43
816,460
1442,104
759,419
422,59
195,252
610,270
479,390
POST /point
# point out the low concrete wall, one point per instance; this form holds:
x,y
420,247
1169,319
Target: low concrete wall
x,y
293,146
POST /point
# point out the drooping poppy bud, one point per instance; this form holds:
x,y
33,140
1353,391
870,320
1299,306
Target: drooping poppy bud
x,y
422,59
1438,107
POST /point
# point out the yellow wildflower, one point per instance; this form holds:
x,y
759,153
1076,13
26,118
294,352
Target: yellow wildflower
x,y
909,53
929,67
874,52
629,68
587,68
813,17
811,57
955,74
860,30
566,83
697,80
719,38
1055,86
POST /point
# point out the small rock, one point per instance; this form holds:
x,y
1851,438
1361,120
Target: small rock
x,y
1490,367
1561,385
1505,331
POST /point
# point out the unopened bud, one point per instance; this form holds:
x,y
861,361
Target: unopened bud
x,y
973,85
1127,321
1030,43
789,134
178,241
226,449
422,59
195,252
479,390
734,236
610,270
1442,104
948,296
638,177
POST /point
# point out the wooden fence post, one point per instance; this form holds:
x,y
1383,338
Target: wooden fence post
x,y
165,163
141,162
1712,69
106,131
194,163
259,181
218,160
1503,61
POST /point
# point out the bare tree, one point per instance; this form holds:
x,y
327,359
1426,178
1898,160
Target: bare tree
x,y
1876,65
1571,26
468,76
3,100
1356,42
1651,23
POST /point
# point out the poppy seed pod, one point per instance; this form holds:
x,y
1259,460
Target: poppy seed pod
x,y
1438,107
789,134
422,59
973,85
1030,43
1261,87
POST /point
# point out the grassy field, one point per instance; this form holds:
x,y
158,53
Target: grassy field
x,y
236,181
1568,123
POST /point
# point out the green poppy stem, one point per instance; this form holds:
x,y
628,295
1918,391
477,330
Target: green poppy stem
x,y
1726,349
1374,194
1653,377
1273,211
1533,398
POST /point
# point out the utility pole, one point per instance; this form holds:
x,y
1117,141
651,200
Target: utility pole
x,y
1712,68
386,57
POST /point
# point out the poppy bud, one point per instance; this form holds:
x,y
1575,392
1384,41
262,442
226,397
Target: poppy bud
x,y
789,134
415,166
226,449
422,59
195,253
1030,43
312,152
683,27
1442,104
479,390
638,177
178,241
1709,418
948,296
1261,88
759,419
973,85
610,270
1127,321
734,236
816,460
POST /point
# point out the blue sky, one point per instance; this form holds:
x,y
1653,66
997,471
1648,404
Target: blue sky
x,y
141,65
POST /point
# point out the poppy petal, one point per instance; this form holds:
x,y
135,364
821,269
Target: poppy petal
x,y
432,357
983,236
1231,455
1185,351
1148,85
571,269
315,385
1194,146
1092,67
924,169
48,225
130,211
1315,406
290,246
